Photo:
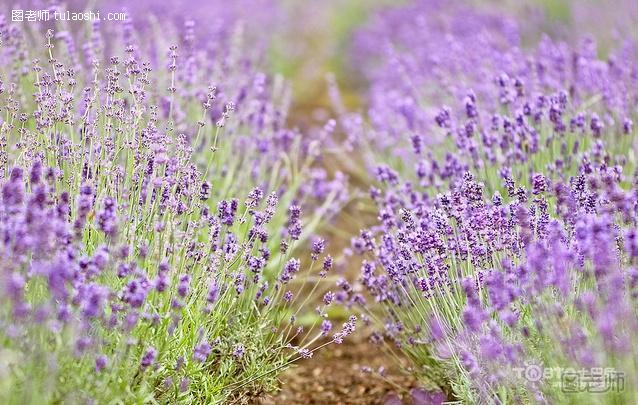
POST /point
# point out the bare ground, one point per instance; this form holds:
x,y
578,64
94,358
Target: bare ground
x,y
334,376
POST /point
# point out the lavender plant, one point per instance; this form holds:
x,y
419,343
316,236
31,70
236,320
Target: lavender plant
x,y
507,246
150,224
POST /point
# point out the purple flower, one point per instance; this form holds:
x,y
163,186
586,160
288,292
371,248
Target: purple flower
x,y
106,218
318,247
627,126
539,184
135,292
201,352
254,198
288,296
15,286
239,351
326,327
183,385
204,192
213,293
161,282
100,363
327,265
148,358
294,222
305,353
436,329
183,285
93,297
290,269
226,211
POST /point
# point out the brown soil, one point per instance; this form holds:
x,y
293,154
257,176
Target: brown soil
x,y
334,376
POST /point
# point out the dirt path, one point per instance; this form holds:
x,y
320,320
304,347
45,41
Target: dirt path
x,y
335,376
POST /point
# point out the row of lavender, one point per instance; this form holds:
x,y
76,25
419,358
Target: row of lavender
x,y
151,224
152,198
503,262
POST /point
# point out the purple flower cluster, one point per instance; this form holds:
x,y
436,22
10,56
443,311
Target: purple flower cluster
x,y
465,70
123,242
155,203
509,239
428,51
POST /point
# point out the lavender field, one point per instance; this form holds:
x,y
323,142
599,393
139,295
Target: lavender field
x,y
318,202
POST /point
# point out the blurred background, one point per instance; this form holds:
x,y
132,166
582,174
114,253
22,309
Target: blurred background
x,y
306,40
